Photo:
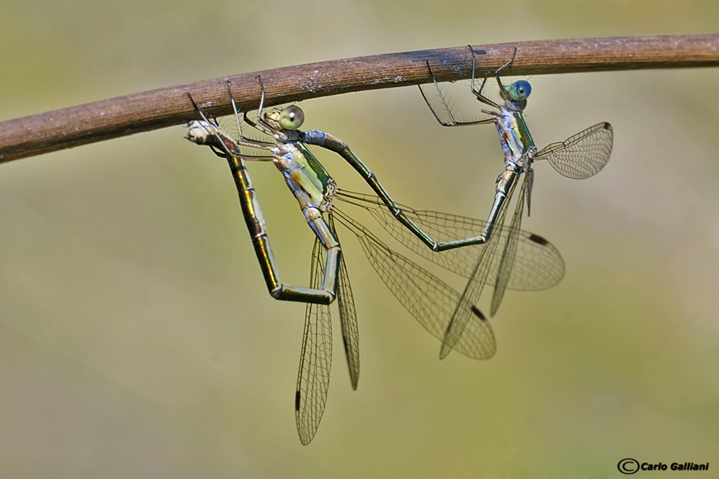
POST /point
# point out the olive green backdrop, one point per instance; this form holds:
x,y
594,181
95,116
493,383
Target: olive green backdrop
x,y
137,338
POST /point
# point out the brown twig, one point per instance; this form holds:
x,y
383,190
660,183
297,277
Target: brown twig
x,y
106,119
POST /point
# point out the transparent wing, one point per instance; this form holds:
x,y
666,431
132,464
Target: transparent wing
x,y
348,316
426,297
465,308
348,323
313,378
538,263
582,155
509,253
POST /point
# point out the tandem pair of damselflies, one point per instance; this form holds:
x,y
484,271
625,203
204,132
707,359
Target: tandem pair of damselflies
x,y
430,300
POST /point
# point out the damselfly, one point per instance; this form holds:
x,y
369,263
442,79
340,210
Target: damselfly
x,y
580,156
429,299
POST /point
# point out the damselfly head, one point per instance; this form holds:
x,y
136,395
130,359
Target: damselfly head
x,y
290,118
198,132
519,91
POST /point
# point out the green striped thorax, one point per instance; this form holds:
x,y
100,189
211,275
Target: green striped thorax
x,y
514,135
311,175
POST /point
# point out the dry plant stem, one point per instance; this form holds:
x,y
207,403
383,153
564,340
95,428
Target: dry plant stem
x,y
126,115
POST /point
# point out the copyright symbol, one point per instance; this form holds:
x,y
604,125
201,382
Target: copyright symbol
x,y
628,466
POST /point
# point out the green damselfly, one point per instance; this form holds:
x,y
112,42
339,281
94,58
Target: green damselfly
x,y
429,299
580,156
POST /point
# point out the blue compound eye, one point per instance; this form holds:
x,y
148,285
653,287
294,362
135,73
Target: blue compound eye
x,y
519,90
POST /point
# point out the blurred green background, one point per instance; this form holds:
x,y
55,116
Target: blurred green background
x,y
137,338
